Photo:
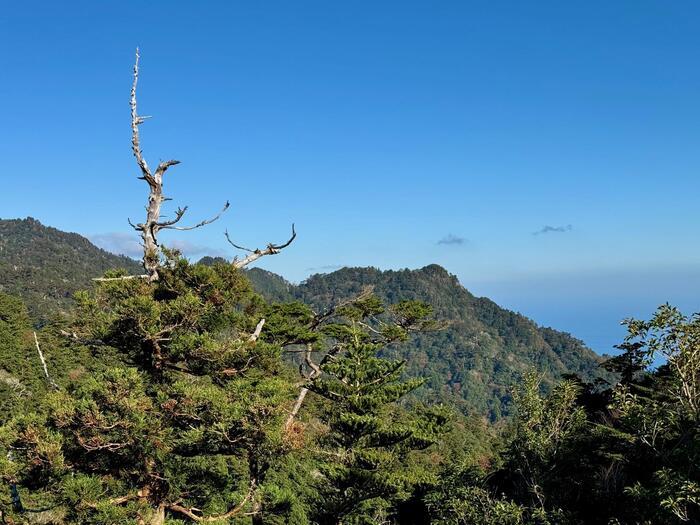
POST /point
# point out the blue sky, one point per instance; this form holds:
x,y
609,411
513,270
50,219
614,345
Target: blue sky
x,y
395,134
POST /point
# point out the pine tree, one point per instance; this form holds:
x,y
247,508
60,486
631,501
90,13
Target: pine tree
x,y
363,457
183,419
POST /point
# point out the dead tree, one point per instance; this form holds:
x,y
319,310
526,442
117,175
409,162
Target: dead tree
x,y
153,224
257,253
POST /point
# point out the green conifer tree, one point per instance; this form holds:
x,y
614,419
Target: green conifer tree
x,y
363,456
181,422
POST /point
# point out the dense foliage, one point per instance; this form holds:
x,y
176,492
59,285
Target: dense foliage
x,y
178,410
629,453
366,470
182,418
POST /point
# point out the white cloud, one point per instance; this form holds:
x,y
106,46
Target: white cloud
x,y
118,242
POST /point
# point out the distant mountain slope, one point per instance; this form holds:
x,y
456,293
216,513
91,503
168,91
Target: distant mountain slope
x,y
272,286
477,359
473,363
45,266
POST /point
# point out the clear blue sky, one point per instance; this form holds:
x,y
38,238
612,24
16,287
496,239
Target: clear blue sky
x,y
381,129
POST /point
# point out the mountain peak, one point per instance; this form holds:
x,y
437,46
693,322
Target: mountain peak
x,y
435,269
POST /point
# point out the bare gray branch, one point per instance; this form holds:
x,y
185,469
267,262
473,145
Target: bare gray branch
x,y
271,249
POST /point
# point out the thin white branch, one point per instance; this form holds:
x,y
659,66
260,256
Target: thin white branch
x,y
122,278
296,408
179,214
135,121
181,211
43,364
315,372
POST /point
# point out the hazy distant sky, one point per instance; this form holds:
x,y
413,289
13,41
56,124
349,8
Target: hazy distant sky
x,y
545,152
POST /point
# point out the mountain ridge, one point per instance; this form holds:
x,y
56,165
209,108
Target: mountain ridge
x,y
484,351
473,363
44,265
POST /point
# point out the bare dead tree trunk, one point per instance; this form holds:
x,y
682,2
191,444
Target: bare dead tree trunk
x,y
296,408
153,224
313,374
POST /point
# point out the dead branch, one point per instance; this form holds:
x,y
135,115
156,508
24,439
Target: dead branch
x,y
122,278
255,254
88,342
313,374
153,224
43,364
315,370
321,318
191,512
328,315
254,336
169,225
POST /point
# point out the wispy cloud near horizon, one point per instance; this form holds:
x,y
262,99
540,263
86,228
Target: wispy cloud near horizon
x,y
325,268
554,229
121,243
452,240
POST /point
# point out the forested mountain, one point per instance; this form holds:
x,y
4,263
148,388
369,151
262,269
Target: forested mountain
x,y
476,359
473,362
45,266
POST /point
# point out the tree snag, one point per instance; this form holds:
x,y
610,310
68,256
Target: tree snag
x,y
149,229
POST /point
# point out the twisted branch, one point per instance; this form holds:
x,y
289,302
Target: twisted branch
x,y
190,513
313,374
169,225
255,254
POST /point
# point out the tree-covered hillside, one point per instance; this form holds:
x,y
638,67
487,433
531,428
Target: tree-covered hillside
x,y
45,266
476,359
473,362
